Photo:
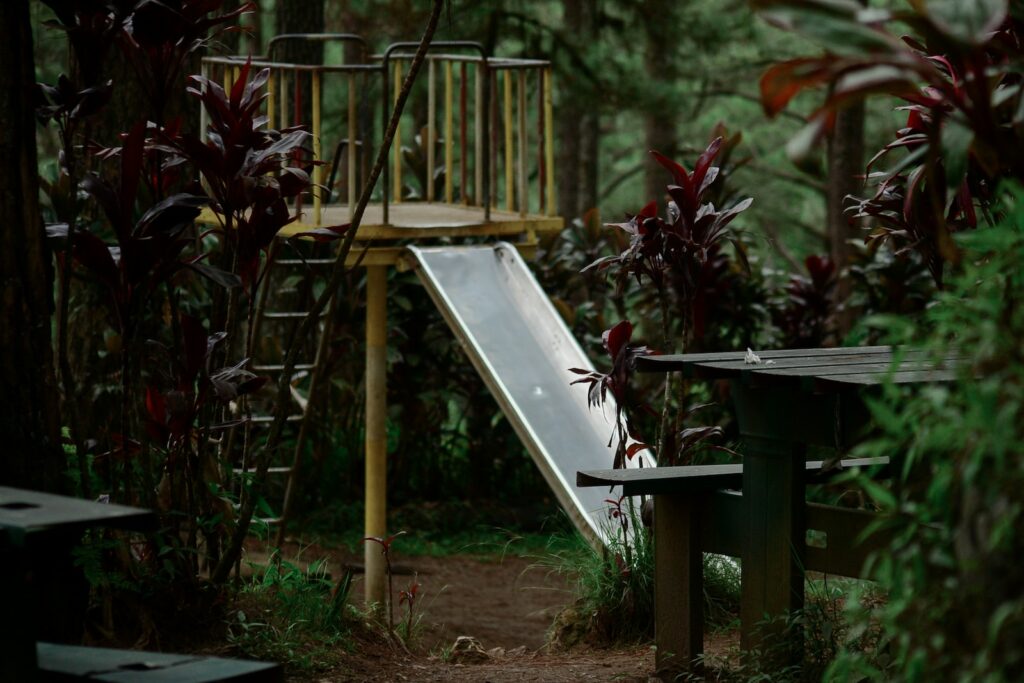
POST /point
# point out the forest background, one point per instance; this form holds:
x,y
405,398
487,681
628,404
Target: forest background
x,y
629,77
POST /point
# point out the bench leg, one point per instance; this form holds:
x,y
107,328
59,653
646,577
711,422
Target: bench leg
x,y
18,628
678,584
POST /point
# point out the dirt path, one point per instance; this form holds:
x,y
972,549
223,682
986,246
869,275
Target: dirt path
x,y
505,605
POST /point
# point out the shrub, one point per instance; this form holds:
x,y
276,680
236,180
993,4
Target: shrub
x,y
956,588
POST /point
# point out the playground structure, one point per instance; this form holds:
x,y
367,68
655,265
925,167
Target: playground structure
x,y
480,169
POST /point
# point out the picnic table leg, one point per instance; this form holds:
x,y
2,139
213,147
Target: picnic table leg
x,y
773,553
678,584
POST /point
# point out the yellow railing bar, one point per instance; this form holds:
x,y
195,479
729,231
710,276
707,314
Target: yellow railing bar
x,y
283,85
318,170
509,164
397,144
352,133
271,101
449,134
431,125
524,195
203,117
479,107
549,143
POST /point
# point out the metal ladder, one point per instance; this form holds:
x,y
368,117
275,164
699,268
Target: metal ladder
x,y
283,300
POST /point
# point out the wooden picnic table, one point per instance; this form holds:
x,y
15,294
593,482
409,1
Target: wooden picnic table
x,y
786,402
38,529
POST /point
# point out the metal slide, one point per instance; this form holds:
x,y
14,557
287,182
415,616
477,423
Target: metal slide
x,y
523,351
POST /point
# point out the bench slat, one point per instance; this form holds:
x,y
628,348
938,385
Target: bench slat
x,y
650,481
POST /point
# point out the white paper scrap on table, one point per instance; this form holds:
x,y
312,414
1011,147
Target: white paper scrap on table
x,y
751,358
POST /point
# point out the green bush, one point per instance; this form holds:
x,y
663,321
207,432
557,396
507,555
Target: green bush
x,y
614,588
955,608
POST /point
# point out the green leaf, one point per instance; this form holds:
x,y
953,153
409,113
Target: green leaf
x,y
956,145
800,146
970,21
836,26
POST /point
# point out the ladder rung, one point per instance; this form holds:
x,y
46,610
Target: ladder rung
x,y
266,520
304,262
264,419
290,315
269,521
279,368
270,470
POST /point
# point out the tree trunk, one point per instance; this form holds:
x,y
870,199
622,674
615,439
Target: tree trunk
x,y
233,39
845,163
577,122
660,119
29,414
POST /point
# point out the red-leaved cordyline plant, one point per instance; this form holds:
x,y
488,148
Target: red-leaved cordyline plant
x,y
187,380
679,245
621,352
804,316
385,550
617,513
157,39
179,389
408,597
959,80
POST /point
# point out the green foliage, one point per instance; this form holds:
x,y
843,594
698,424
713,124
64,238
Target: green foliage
x,y
956,589
292,615
614,587
821,625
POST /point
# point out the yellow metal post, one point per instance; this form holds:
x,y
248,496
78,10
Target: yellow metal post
x,y
510,203
318,170
449,132
376,435
397,144
549,142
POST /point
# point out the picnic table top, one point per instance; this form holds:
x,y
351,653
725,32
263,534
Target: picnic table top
x,y
32,512
811,369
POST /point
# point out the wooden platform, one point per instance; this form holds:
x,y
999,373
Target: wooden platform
x,y
421,220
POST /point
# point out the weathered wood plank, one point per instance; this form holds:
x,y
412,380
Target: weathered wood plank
x,y
29,512
672,362
678,583
74,663
772,568
876,378
658,480
846,545
863,368
653,481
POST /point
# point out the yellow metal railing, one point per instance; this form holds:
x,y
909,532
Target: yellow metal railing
x,y
476,131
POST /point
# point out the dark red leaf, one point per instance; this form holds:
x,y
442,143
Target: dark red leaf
x,y
616,338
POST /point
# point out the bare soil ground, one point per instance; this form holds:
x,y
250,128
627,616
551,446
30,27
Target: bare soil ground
x,y
505,604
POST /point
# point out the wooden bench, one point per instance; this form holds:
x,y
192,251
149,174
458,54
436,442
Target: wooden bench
x,y
65,663
697,510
